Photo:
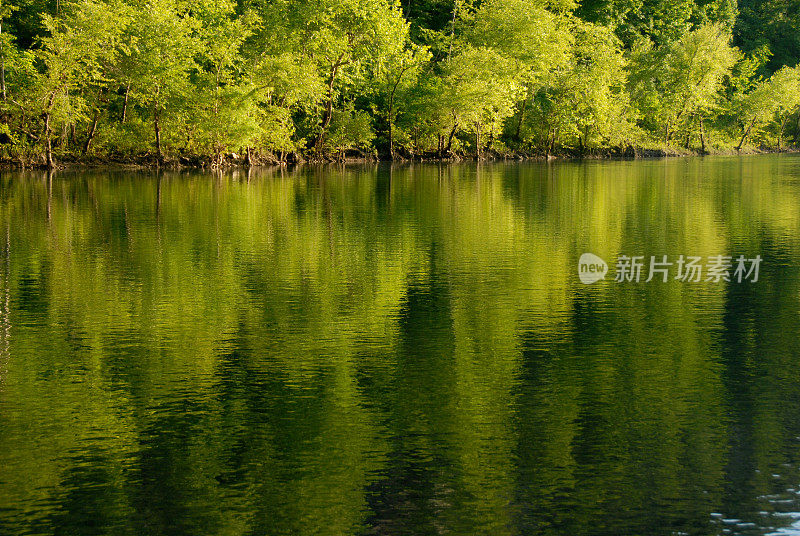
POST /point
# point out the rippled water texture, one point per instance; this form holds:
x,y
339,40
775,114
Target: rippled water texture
x,y
399,350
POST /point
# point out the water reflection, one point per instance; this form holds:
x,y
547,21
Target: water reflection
x,y
398,350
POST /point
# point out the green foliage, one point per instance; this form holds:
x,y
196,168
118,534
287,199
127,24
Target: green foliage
x,y
158,64
672,85
771,23
17,72
536,39
586,104
276,129
349,129
770,104
168,78
660,21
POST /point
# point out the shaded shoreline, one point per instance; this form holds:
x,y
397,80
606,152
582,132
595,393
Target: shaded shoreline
x,y
231,162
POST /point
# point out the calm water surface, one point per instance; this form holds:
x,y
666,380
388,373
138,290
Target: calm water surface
x,y
404,350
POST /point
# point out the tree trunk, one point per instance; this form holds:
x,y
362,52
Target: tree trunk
x,y
452,30
521,117
47,133
125,104
2,66
157,128
391,140
326,120
50,162
780,131
450,138
328,115
547,141
3,76
746,133
477,141
702,137
797,131
90,135
391,112
48,142
585,140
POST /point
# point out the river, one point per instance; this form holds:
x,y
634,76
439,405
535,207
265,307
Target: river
x,y
402,350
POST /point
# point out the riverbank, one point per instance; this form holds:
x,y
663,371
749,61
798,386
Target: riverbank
x,y
237,161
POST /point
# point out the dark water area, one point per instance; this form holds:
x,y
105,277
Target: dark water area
x,y
399,350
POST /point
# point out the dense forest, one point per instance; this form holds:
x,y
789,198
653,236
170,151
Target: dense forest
x,y
220,82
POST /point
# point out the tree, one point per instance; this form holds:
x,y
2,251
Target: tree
x,y
477,91
226,110
347,39
660,21
771,101
771,23
270,77
399,75
5,44
588,101
674,84
283,83
535,36
350,129
158,65
80,41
